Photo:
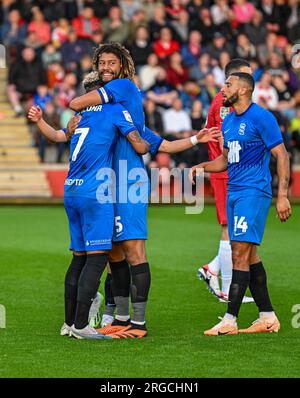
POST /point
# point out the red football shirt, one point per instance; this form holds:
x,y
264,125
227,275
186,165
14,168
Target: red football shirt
x,y
215,117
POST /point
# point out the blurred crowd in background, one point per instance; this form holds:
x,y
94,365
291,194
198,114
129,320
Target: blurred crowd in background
x,y
179,47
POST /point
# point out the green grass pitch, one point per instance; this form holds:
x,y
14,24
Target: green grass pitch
x,y
34,258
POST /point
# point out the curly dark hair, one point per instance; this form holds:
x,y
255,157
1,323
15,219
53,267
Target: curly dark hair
x,y
127,65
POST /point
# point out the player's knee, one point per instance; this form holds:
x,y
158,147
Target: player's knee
x,y
135,252
241,255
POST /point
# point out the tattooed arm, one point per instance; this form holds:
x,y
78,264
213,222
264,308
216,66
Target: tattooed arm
x,y
140,146
283,206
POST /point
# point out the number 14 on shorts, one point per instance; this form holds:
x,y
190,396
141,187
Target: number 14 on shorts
x,y
240,225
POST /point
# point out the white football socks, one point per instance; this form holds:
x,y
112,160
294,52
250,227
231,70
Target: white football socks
x,y
214,266
225,262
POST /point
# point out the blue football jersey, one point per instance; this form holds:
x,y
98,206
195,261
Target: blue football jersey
x,y
125,92
153,140
92,147
250,137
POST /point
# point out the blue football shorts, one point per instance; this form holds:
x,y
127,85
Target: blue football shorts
x,y
90,223
247,215
131,217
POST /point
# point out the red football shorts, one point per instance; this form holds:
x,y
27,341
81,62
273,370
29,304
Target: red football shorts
x,y
219,186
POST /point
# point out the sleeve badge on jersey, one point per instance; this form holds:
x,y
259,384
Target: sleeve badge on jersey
x,y
224,111
127,116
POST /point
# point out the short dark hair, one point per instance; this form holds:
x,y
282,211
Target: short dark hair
x,y
235,65
246,77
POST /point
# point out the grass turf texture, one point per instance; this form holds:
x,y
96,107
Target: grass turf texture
x,y
34,259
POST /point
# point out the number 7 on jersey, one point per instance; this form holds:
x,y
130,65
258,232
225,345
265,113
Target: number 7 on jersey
x,y
83,133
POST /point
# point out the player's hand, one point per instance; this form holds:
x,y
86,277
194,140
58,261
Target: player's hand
x,y
283,208
72,124
205,135
35,114
194,172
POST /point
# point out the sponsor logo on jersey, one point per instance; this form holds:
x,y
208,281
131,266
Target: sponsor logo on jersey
x,y
234,152
74,181
94,108
224,111
127,116
242,129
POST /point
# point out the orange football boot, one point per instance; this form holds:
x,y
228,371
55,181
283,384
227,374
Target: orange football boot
x,y
226,326
263,325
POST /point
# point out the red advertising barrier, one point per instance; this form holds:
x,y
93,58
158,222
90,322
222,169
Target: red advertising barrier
x,y
56,180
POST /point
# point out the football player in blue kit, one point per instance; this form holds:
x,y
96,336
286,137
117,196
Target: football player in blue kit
x,y
251,134
116,70
90,212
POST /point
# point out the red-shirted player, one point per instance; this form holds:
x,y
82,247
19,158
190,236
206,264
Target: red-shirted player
x,y
222,262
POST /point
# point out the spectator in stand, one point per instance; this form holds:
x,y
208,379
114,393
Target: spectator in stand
x,y
189,94
65,91
220,12
197,116
264,93
293,23
55,74
165,45
256,30
128,8
158,21
138,19
13,31
267,48
244,48
60,32
218,70
218,45
162,93
286,100
141,47
204,24
42,96
198,72
276,67
92,43
25,75
86,23
257,70
192,50
148,72
100,8
177,74
153,118
50,56
209,90
72,51
173,9
39,26
32,41
276,15
181,27
85,66
148,6
51,117
242,12
115,29
177,122
53,10
193,8
294,73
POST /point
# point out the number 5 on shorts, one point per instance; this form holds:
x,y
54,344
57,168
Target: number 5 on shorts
x,y
83,133
118,224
